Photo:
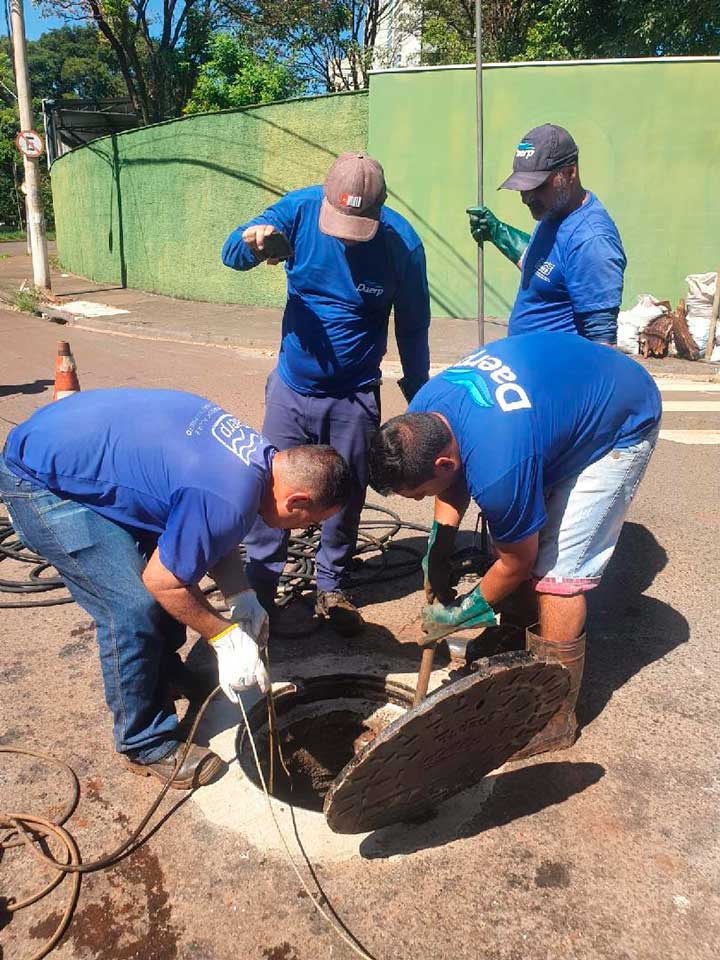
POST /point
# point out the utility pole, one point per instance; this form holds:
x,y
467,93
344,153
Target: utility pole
x,y
35,218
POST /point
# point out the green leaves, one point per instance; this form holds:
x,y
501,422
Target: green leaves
x,y
235,76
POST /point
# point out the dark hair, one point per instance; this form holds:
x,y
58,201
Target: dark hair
x,y
404,450
323,472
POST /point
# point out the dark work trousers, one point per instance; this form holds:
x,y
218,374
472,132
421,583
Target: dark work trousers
x,y
346,423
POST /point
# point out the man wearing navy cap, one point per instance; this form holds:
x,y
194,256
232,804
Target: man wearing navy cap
x,y
352,261
573,264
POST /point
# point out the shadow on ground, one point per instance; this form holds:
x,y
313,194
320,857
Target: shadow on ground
x,y
37,386
627,630
515,794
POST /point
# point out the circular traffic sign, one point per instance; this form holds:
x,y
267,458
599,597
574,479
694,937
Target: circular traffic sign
x,y
29,143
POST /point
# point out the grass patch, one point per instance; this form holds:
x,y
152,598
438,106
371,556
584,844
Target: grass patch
x,y
27,300
4,256
8,236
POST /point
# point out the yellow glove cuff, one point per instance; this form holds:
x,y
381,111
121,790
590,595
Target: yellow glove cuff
x,y
222,633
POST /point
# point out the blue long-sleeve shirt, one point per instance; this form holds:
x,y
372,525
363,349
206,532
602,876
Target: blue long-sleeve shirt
x,y
335,325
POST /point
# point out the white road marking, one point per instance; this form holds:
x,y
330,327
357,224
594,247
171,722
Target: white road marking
x,y
687,386
691,406
691,436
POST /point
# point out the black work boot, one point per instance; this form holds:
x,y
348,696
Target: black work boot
x,y
198,768
190,684
560,732
340,612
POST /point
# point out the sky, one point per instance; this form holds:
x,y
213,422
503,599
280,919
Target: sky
x,y
34,23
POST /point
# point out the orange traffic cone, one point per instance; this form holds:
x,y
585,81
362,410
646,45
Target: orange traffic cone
x,y
66,378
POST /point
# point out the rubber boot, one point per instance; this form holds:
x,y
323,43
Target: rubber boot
x,y
560,731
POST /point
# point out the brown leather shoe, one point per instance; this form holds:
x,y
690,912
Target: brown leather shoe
x,y
340,612
198,768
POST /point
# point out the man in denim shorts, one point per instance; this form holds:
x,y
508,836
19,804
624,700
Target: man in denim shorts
x,y
550,435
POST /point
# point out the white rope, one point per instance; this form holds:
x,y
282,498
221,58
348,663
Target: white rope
x,y
331,921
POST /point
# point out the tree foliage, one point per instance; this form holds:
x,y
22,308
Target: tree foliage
x,y
235,76
332,43
159,54
567,29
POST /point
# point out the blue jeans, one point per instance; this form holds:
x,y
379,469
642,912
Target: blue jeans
x,y
346,423
102,564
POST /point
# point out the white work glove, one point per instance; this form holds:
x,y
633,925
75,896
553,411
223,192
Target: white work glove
x,y
247,611
239,663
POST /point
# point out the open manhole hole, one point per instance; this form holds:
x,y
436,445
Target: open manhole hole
x,y
322,724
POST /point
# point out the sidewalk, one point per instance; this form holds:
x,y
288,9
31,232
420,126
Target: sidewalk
x,y
252,329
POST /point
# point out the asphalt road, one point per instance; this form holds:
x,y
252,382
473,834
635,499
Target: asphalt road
x,y
608,850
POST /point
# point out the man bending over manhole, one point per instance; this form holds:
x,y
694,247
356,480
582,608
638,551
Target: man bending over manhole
x,y
550,435
134,495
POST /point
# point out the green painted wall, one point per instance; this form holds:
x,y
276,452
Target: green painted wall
x,y
151,208
649,147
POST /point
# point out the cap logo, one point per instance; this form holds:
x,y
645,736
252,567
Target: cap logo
x,y
350,200
525,150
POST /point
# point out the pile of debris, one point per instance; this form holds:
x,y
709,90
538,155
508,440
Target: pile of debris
x,y
691,331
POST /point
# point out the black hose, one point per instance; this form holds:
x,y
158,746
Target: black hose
x,y
377,558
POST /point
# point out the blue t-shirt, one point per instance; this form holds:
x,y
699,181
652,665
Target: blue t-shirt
x,y
530,411
159,460
335,325
571,267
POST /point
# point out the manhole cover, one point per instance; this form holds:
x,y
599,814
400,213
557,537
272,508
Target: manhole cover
x,y
323,723
446,744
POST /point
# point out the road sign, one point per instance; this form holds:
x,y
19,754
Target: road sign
x,y
29,143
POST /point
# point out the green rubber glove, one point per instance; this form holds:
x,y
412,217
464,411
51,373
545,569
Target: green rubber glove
x,y
436,563
510,241
472,610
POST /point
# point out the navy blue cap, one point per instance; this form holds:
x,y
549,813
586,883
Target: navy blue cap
x,y
540,152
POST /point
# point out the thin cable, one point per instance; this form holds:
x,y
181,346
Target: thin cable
x,y
353,944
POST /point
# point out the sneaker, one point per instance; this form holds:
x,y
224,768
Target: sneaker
x,y
340,612
199,767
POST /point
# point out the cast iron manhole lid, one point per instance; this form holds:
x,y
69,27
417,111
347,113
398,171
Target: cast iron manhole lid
x,y
448,743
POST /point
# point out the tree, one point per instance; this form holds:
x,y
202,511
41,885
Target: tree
x,y
158,54
74,62
235,76
585,29
567,29
332,43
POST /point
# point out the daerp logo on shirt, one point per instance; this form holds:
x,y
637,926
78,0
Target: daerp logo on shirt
x,y
543,269
367,286
236,437
509,395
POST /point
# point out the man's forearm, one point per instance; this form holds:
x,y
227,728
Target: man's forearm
x,y
501,580
190,606
451,505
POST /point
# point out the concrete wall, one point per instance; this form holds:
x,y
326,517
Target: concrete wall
x,y
649,148
151,208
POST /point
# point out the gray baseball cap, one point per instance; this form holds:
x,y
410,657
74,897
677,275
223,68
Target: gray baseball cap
x,y
540,152
353,195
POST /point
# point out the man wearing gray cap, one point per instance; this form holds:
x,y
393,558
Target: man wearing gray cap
x,y
349,260
572,266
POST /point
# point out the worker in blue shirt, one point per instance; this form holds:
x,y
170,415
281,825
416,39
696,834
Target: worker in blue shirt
x,y
351,260
572,266
550,435
134,495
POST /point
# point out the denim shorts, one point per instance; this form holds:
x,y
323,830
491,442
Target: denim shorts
x,y
585,514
